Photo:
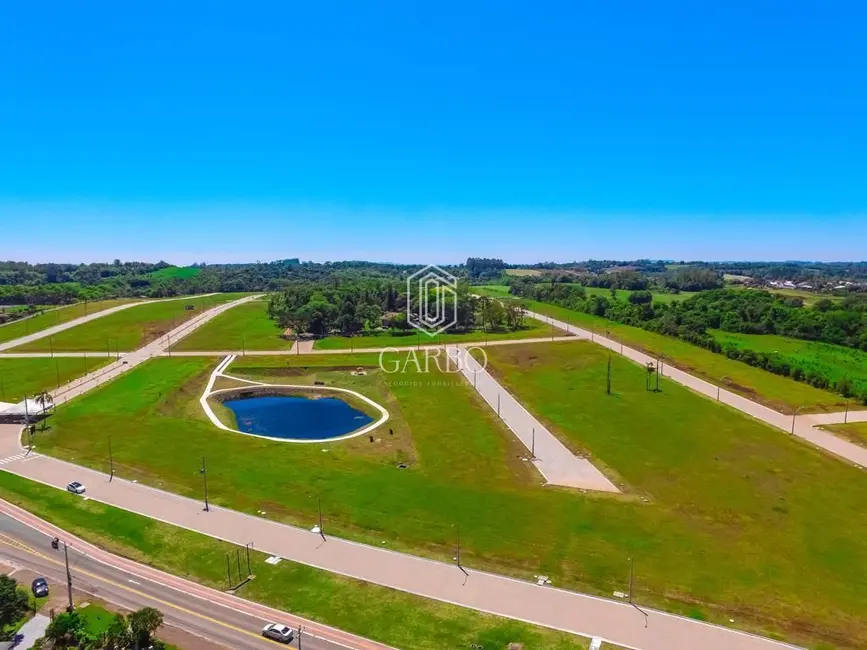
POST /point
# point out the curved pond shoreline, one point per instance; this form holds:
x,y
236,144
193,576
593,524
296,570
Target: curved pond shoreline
x,y
295,417
253,388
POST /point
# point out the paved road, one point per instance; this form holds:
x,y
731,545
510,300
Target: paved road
x,y
214,615
51,331
804,426
614,621
557,464
129,360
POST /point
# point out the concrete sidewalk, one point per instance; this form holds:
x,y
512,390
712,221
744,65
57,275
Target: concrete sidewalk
x,y
804,426
51,331
129,360
557,464
615,622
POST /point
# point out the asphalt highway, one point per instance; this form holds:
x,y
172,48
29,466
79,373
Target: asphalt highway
x,y
221,624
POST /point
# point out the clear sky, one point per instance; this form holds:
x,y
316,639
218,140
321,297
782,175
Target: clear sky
x,y
427,132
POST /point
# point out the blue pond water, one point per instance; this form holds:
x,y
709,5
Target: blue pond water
x,y
290,416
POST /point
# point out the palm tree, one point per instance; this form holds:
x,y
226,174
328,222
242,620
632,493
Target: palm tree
x,y
46,402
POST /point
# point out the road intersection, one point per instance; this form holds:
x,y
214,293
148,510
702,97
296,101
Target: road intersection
x,y
615,621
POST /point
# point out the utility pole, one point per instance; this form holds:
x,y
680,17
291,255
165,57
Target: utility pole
x,y
228,572
299,637
533,444
608,384
204,473
110,462
794,415
319,501
51,345
631,577
458,548
57,374
69,607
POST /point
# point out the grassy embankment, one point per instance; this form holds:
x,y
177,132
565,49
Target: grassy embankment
x,y
780,393
386,615
19,328
19,377
247,327
767,508
129,329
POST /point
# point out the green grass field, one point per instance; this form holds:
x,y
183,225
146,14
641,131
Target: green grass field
x,y
179,272
20,328
767,509
756,493
854,431
245,327
382,614
532,329
128,329
780,393
832,361
30,376
502,291
523,272
493,290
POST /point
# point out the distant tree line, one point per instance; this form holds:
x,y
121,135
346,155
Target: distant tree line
x,y
364,305
749,312
687,278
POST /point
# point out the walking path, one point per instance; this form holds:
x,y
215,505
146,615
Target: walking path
x,y
557,464
615,622
803,426
51,331
129,360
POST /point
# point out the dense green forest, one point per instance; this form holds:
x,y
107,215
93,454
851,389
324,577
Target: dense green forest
x,y
55,284
841,323
354,306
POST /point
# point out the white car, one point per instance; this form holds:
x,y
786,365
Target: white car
x,y
76,488
278,632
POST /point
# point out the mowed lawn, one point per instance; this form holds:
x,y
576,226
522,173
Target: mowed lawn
x,y
19,377
386,615
245,327
532,329
780,393
770,509
854,432
832,361
17,329
128,329
737,521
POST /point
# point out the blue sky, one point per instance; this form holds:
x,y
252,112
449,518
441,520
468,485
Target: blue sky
x,y
401,131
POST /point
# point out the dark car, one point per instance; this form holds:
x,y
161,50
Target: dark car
x,y
39,587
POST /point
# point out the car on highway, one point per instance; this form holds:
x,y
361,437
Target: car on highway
x,y
278,632
76,488
39,587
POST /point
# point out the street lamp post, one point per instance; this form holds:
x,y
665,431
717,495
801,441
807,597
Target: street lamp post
x,y
69,607
794,415
204,472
